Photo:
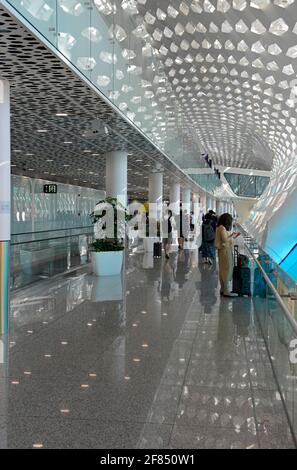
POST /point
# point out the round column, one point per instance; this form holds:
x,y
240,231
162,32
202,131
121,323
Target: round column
x,y
5,196
175,198
156,194
155,202
218,208
116,175
186,199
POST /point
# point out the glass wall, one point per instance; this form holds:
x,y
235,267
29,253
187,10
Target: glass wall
x,y
209,182
33,210
247,185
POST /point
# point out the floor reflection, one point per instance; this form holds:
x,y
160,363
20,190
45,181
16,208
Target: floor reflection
x,y
155,359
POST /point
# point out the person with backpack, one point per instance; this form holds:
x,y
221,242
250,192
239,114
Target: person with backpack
x,y
208,239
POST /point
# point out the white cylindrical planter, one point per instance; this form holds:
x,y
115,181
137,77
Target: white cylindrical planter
x,y
107,263
116,176
5,196
175,198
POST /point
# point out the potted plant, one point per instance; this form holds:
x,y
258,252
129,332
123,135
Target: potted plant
x,y
109,244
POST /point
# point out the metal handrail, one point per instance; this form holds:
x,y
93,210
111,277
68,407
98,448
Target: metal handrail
x,y
26,242
287,312
51,230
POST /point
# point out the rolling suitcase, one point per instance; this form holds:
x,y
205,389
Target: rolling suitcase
x,y
241,280
157,250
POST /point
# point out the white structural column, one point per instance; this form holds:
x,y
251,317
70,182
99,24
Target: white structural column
x,y
116,175
155,201
175,198
203,203
218,207
4,204
156,193
186,195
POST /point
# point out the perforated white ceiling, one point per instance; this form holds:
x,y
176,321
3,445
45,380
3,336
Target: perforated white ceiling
x,y
231,66
50,111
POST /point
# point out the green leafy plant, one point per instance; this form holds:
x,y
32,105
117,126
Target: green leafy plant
x,y
120,218
107,244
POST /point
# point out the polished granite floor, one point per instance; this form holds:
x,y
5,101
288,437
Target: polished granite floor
x,y
157,360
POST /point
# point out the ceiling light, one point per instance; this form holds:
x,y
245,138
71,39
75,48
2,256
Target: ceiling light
x,y
61,114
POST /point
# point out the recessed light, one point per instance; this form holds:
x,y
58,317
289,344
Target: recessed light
x,y
42,130
38,445
61,114
67,142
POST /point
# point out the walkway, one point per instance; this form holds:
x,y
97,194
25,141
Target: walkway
x,y
161,362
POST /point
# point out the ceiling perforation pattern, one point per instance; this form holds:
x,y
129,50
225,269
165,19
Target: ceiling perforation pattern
x,y
41,87
223,74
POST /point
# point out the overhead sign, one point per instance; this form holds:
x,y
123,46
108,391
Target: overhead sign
x,y
50,189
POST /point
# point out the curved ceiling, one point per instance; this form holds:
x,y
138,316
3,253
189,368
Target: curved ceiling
x,y
214,76
232,66
51,110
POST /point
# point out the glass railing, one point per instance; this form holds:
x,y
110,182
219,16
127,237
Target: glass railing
x,y
284,284
275,307
289,263
43,254
108,43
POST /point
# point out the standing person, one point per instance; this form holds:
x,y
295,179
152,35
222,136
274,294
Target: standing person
x,y
184,222
168,222
208,239
224,245
214,216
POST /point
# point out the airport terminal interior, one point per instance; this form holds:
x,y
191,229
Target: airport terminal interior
x,y
119,118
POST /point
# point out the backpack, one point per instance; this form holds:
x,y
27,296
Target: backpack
x,y
209,233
